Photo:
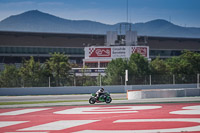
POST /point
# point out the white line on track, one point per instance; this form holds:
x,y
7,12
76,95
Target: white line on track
x,y
25,132
10,123
58,125
181,129
23,111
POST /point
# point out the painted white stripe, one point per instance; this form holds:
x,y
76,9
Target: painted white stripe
x,y
10,123
25,132
196,107
160,120
23,111
189,110
59,125
106,110
183,129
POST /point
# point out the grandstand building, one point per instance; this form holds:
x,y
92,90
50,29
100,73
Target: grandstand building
x,y
16,46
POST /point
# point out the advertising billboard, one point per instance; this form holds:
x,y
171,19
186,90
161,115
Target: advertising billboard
x,y
115,52
99,52
140,50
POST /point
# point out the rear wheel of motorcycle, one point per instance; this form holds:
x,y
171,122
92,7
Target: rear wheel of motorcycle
x,y
108,100
92,100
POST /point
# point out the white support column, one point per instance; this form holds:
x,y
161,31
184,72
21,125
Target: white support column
x,y
198,80
83,64
174,80
126,76
150,79
49,81
100,79
74,79
98,64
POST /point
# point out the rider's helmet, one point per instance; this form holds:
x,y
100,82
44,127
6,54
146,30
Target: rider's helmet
x,y
102,89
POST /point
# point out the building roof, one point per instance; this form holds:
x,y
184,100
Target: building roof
x,y
49,39
33,39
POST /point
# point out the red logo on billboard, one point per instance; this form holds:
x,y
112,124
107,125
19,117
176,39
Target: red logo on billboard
x,y
140,50
99,52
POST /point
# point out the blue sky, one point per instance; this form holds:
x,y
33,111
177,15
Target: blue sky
x,y
180,12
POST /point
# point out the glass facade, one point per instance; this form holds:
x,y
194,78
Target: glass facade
x,y
40,50
17,54
166,53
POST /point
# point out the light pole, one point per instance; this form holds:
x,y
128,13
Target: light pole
x,y
198,80
126,77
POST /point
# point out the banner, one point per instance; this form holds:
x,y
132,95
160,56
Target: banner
x,y
115,52
140,50
100,52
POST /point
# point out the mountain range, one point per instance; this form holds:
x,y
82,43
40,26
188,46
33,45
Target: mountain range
x,y
37,21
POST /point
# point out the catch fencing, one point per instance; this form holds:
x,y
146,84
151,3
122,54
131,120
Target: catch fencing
x,y
83,89
103,81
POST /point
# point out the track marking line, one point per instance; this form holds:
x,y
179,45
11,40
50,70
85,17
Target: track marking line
x,y
106,110
59,125
182,129
25,132
10,123
23,111
189,110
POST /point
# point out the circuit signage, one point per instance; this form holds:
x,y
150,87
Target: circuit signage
x,y
115,52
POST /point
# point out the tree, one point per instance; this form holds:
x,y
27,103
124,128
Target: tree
x,y
185,67
138,65
159,67
32,73
160,72
138,69
59,67
192,62
10,77
115,71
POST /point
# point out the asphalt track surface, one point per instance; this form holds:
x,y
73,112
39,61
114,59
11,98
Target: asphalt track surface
x,y
106,118
121,116
74,100
54,97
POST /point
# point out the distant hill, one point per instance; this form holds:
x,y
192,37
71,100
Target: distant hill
x,y
36,21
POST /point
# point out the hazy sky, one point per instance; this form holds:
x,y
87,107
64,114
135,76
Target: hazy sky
x,y
180,12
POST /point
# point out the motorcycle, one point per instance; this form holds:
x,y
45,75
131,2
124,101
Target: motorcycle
x,y
104,97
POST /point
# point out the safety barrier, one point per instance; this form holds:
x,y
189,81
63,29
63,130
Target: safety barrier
x,y
86,89
162,93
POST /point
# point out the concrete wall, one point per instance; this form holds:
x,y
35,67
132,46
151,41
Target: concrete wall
x,y
162,93
167,86
86,90
58,90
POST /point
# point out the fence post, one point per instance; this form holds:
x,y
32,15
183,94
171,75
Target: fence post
x,y
22,83
126,77
121,79
100,79
198,80
150,79
173,79
49,82
74,79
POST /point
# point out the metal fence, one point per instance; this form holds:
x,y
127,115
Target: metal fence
x,y
102,81
162,79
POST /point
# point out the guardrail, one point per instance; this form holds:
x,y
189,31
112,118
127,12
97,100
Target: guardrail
x,y
85,89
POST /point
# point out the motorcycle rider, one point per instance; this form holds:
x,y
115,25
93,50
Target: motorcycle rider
x,y
99,92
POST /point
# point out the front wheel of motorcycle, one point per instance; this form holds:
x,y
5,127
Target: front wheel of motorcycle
x,y
92,100
108,100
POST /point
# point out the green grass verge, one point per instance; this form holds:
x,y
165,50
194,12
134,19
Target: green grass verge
x,y
43,102
164,102
39,102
